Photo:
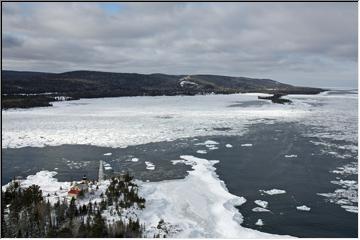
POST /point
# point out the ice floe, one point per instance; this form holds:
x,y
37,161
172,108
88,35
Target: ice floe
x,y
353,209
259,222
201,151
228,145
107,166
347,169
346,196
303,208
149,165
210,144
108,154
212,147
134,159
273,191
260,209
291,156
261,203
246,145
77,165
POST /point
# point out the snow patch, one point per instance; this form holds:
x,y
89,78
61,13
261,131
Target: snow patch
x,y
183,83
49,185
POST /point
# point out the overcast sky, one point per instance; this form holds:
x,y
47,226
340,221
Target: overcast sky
x,y
313,44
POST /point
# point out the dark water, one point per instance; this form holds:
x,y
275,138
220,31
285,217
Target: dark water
x,y
245,170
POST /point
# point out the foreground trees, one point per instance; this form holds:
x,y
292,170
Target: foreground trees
x,y
25,213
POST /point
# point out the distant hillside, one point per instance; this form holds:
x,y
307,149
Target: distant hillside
x,y
92,84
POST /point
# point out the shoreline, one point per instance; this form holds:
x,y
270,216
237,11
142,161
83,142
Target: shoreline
x,y
35,100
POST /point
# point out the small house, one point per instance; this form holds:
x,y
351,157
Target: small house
x,y
79,187
74,192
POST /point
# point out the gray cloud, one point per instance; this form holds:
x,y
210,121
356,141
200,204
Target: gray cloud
x,y
299,43
10,41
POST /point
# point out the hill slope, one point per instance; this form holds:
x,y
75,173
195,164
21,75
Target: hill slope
x,y
92,84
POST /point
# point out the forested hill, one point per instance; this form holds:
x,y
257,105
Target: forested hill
x,y
92,84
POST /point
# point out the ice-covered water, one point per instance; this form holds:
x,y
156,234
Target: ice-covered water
x,y
330,120
119,122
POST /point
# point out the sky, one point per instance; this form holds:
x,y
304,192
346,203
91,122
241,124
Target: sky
x,y
305,44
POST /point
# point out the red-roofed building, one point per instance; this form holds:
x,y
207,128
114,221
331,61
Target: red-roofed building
x,y
74,192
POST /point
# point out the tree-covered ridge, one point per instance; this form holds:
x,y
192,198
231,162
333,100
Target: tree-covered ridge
x,y
25,212
16,86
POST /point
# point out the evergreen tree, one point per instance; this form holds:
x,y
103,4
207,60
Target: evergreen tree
x,y
72,209
83,230
98,228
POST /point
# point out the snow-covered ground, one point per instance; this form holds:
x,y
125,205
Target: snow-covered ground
x,y
197,206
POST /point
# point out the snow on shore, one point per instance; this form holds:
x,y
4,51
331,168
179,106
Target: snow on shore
x,y
53,190
197,206
47,183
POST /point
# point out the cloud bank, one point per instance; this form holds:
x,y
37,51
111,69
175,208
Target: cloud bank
x,y
299,43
